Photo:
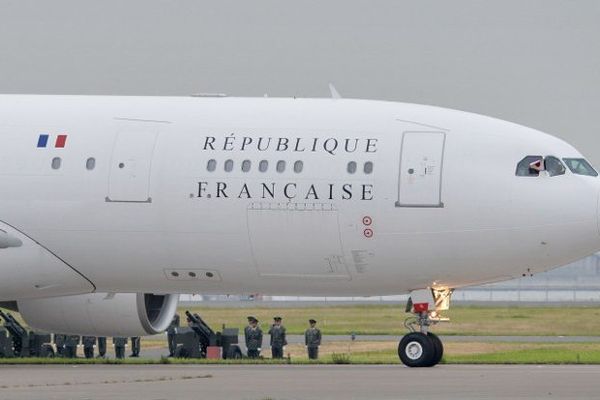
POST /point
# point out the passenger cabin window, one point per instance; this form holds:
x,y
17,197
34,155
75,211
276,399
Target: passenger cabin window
x,y
90,164
554,166
351,168
280,167
56,161
212,165
579,166
524,166
298,166
228,165
263,165
246,164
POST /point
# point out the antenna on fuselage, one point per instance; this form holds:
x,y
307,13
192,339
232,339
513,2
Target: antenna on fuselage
x,y
334,93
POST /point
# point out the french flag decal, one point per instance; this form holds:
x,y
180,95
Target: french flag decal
x,y
42,141
59,143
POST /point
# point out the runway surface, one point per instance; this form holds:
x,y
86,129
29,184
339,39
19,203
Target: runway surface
x,y
252,382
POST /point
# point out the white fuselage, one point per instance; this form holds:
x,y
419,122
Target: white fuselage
x,y
441,207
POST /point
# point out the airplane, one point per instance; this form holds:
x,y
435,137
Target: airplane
x,y
112,206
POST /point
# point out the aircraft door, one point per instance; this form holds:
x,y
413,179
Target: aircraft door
x,y
421,165
131,164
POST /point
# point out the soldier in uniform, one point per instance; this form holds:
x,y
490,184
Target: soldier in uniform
x,y
71,343
59,341
102,346
312,340
172,333
88,346
136,345
254,338
277,332
120,343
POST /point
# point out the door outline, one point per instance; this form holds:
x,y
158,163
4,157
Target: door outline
x,y
440,204
152,130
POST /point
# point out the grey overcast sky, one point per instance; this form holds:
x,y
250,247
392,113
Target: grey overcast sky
x,y
535,62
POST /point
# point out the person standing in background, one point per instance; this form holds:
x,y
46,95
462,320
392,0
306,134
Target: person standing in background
x,y
71,343
59,341
102,346
278,340
120,343
88,346
136,345
312,340
254,338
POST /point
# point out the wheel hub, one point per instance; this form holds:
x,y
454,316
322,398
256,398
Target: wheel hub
x,y
414,350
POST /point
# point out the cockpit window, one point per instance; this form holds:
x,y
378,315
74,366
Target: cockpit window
x,y
580,166
554,166
524,166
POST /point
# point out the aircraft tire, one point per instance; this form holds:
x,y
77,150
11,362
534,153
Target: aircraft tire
x,y
438,348
416,350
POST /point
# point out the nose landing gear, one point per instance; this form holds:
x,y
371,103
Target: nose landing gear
x,y
421,348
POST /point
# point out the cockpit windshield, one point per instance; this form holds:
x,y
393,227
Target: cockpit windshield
x,y
553,166
526,166
580,166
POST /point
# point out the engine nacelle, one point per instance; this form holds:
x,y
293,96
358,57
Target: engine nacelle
x,y
101,314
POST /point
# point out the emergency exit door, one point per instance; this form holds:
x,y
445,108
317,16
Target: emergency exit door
x,y
421,167
131,164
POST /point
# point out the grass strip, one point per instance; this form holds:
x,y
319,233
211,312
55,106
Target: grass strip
x,y
456,353
385,319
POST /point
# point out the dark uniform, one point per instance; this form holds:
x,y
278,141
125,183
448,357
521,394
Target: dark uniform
x,y
59,341
172,333
88,346
136,346
71,343
278,340
120,343
102,346
254,338
312,340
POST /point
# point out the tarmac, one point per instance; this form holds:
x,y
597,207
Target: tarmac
x,y
262,382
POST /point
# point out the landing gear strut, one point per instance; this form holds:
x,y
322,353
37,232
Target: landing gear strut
x,y
421,348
